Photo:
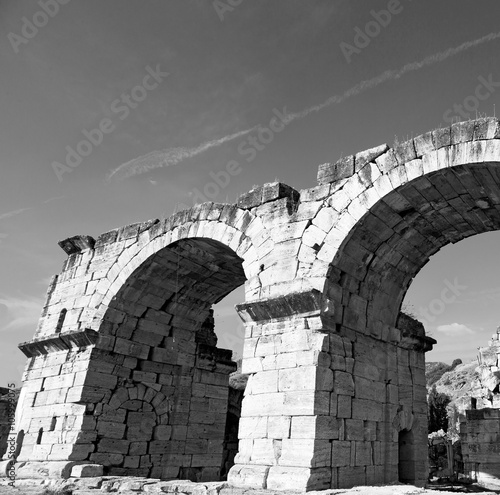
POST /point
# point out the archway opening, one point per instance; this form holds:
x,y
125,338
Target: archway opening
x,y
371,273
399,234
166,412
456,297
230,333
406,460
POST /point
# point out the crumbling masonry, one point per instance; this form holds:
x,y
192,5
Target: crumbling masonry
x,y
121,374
480,430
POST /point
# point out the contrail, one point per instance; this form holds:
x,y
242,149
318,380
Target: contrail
x,y
389,75
172,156
13,213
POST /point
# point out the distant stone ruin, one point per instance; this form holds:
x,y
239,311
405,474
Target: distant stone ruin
x,y
123,373
480,432
487,387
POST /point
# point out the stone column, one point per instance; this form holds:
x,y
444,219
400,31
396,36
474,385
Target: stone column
x,y
412,391
285,426
56,432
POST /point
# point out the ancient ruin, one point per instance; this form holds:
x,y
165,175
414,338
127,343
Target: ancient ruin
x,y
480,431
123,373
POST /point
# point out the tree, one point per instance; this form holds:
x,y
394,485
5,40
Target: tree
x,y
436,410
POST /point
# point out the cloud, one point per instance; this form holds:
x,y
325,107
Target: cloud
x,y
455,329
167,157
53,199
483,296
4,311
173,156
16,313
13,213
390,75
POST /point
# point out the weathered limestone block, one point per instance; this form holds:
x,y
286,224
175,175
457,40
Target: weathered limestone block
x,y
286,479
344,383
332,172
35,470
367,409
344,406
365,157
249,475
350,476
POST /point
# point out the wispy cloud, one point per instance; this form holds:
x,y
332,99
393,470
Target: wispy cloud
x,y
55,198
173,156
16,313
390,75
167,157
483,296
10,214
454,329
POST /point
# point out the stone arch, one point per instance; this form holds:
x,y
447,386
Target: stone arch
x,y
116,254
390,244
135,412
157,333
332,362
393,209
397,207
232,236
141,322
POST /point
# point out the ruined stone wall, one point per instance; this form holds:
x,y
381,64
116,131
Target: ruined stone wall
x,y
339,412
486,390
480,435
149,401
480,432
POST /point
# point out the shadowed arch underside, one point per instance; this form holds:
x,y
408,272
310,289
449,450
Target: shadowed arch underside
x,y
397,236
182,281
171,404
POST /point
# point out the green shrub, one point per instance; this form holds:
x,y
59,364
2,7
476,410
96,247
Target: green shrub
x,y
436,411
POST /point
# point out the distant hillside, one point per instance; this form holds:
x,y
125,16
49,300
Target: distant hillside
x,y
435,370
460,384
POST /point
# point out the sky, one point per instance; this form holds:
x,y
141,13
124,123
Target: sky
x,y
125,110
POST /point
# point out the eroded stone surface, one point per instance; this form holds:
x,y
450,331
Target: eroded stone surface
x,y
480,430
